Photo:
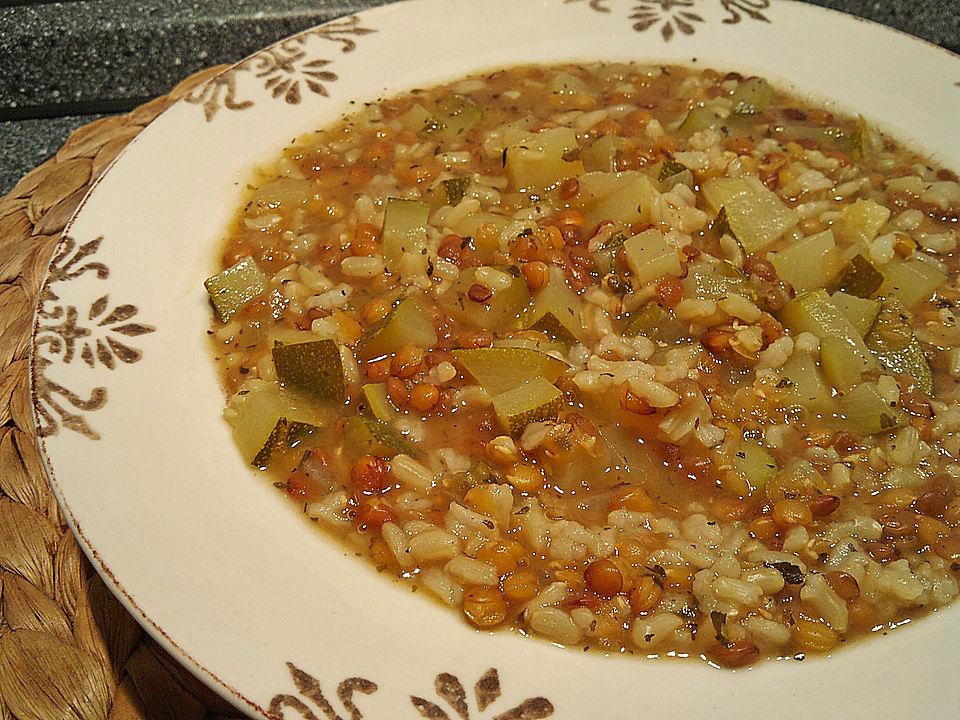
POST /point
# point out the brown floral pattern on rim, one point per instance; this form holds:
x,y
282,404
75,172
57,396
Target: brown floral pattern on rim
x,y
98,338
285,68
448,687
673,16
486,691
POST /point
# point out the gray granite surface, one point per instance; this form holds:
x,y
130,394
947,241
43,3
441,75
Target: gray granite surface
x,y
65,64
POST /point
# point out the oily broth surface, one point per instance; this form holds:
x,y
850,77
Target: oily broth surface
x,y
623,522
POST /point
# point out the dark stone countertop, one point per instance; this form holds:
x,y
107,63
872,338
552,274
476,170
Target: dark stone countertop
x,y
63,64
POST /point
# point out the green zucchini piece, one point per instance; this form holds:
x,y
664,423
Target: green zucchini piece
x,y
255,410
369,436
865,144
314,369
458,115
913,280
283,441
554,329
378,402
605,258
861,312
862,220
551,347
801,383
501,311
749,466
755,216
421,121
231,289
544,159
842,370
829,137
656,323
623,197
289,336
601,155
698,119
807,263
499,369
669,168
843,354
556,299
448,192
404,229
406,323
712,281
651,258
858,277
752,97
535,400
896,347
866,412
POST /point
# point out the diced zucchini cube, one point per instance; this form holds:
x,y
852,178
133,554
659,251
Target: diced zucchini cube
x,y
314,369
756,216
914,279
858,277
369,436
651,258
862,220
807,263
843,354
866,411
536,400
404,229
499,369
231,289
406,323
543,159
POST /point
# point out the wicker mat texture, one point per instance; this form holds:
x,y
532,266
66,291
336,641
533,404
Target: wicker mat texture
x,y
68,649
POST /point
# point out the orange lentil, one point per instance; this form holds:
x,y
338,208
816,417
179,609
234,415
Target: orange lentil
x,y
424,397
407,361
536,274
603,577
369,475
374,513
484,606
378,371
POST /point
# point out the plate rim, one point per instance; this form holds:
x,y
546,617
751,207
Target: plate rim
x,y
111,581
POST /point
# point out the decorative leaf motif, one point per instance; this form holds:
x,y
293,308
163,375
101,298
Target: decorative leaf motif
x,y
119,313
62,335
751,8
133,329
103,355
282,67
123,352
51,412
533,709
309,687
97,308
675,15
311,704
427,709
450,689
487,689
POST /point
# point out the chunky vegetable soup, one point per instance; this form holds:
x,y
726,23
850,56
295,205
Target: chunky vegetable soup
x,y
644,359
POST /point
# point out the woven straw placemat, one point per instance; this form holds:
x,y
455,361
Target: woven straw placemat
x,y
68,649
